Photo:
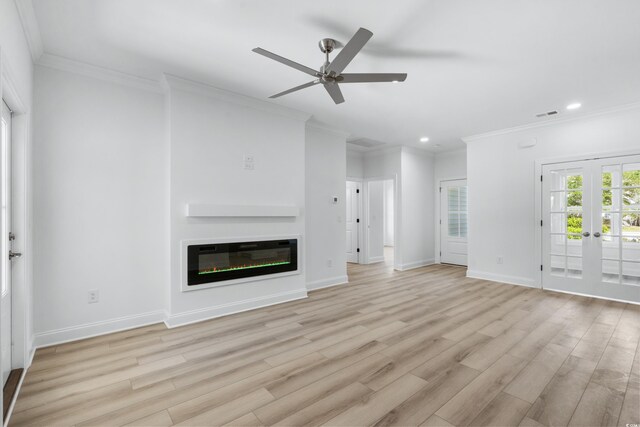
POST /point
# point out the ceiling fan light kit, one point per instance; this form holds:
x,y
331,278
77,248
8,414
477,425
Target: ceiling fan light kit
x,y
330,74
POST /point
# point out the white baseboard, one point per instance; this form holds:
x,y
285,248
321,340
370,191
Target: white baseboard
x,y
327,283
88,330
375,259
502,278
194,316
591,296
415,264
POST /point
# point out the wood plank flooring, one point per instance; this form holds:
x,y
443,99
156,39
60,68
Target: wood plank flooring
x,y
423,347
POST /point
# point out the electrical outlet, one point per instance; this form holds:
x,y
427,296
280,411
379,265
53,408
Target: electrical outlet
x,y
500,260
94,296
329,263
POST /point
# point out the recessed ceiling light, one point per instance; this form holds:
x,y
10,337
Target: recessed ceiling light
x,y
574,106
424,139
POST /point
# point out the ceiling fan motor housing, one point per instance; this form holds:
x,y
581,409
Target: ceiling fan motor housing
x,y
327,45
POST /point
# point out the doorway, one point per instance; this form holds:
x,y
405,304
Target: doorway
x,y
591,227
453,222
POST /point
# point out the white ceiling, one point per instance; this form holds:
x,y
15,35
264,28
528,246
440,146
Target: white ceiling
x,y
474,66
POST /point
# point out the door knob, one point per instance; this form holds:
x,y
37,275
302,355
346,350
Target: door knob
x,y
586,234
596,234
13,255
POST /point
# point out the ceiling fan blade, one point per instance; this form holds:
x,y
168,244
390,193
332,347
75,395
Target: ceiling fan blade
x,y
286,61
371,77
335,92
293,89
349,52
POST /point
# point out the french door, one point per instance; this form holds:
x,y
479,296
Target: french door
x,y
591,227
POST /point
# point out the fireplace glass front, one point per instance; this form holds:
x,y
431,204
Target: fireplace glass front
x,y
228,261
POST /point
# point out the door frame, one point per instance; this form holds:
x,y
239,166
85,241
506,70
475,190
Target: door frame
x,y
396,219
538,195
23,346
438,215
360,213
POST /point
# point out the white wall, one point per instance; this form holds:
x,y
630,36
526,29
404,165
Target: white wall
x,y
355,164
447,165
501,179
210,132
98,205
325,237
417,208
389,220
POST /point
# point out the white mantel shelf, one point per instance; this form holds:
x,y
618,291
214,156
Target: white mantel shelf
x,y
200,210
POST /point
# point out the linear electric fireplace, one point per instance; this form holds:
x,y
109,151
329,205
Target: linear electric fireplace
x,y
218,262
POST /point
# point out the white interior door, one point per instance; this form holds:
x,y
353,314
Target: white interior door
x,y
591,227
453,222
5,221
353,220
375,221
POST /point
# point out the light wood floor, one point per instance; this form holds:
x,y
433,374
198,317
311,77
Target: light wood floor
x,y
423,347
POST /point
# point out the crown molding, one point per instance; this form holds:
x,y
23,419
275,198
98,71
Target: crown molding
x,y
322,127
171,82
65,64
418,151
383,151
552,122
451,152
30,28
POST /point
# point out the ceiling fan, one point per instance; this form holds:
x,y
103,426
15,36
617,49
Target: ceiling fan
x,y
330,74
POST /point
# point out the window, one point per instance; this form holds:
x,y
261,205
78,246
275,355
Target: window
x,y
457,217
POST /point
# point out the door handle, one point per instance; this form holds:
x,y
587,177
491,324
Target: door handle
x,y
586,234
13,255
596,234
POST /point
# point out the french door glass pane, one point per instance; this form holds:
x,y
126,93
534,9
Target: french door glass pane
x,y
610,271
558,223
453,199
558,264
631,273
574,267
574,225
454,224
558,201
631,175
610,174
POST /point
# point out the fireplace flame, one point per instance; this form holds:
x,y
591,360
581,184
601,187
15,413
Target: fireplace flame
x,y
242,267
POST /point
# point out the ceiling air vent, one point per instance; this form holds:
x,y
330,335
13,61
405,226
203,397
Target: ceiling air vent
x,y
548,113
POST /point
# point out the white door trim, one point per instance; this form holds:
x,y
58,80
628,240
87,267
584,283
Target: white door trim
x,y
538,195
